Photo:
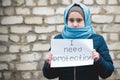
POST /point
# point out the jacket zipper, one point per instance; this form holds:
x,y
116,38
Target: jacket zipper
x,y
74,73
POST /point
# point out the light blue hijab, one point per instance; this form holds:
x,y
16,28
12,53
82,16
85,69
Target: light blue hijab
x,y
78,33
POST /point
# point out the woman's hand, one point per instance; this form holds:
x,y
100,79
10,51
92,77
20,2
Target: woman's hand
x,y
48,58
95,55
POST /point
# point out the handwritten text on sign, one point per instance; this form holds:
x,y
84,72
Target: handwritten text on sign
x,y
69,52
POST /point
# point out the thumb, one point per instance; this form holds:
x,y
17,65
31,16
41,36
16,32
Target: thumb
x,y
94,50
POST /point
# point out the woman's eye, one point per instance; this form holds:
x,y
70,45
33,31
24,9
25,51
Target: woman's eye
x,y
78,20
71,20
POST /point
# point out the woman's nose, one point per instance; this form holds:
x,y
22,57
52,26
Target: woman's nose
x,y
75,24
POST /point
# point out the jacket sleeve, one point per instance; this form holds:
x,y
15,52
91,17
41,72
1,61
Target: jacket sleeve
x,y
104,65
49,72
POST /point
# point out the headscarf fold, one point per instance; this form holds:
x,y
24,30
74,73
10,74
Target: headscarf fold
x,y
78,33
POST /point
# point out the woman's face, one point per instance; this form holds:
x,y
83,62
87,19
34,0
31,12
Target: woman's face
x,y
75,20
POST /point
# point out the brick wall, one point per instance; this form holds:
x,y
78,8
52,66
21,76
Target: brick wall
x,y
26,27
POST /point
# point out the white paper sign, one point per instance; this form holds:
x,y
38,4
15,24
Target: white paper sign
x,y
71,52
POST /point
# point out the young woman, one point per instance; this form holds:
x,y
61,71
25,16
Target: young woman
x,y
77,25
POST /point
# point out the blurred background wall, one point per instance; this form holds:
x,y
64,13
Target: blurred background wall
x,y
26,27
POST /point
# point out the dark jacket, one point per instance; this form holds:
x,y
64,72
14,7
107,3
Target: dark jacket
x,y
103,67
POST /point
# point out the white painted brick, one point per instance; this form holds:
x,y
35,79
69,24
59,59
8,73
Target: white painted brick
x,y
31,38
40,47
111,28
24,11
11,66
53,1
117,64
36,47
3,66
114,46
0,75
97,27
66,2
14,38
21,29
44,55
8,57
23,39
30,57
26,66
12,20
54,20
76,0
102,18
7,75
118,72
9,11
4,38
18,48
88,2
59,28
19,2
114,37
95,9
48,29
112,9
43,11
112,54
25,48
42,2
36,74
6,2
101,1
112,2
3,48
26,75
33,20
14,48
117,18
3,29
60,10
42,37
118,55
30,2
1,11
